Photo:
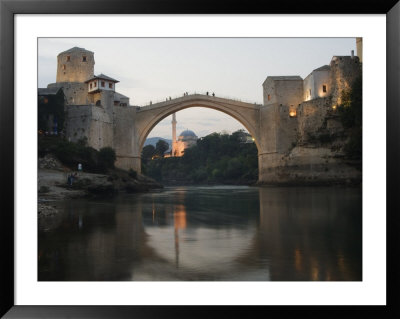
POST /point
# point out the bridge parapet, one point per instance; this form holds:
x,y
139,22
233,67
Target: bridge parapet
x,y
203,97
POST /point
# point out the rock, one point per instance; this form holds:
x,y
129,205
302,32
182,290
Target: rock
x,y
101,189
49,162
45,210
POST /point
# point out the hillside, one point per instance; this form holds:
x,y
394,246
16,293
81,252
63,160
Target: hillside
x,y
153,141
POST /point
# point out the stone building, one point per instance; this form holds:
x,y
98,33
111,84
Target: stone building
x,y
281,127
91,100
317,83
302,118
185,140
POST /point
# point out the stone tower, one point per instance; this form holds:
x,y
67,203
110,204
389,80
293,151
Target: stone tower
x,y
359,48
75,65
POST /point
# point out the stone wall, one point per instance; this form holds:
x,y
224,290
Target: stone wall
x,y
311,117
125,138
72,67
78,121
90,123
308,148
101,129
285,90
75,92
344,70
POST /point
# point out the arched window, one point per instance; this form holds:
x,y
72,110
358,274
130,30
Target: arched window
x,y
98,103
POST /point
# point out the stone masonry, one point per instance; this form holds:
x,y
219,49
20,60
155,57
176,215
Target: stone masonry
x,y
281,127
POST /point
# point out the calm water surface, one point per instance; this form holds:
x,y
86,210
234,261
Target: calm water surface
x,y
207,233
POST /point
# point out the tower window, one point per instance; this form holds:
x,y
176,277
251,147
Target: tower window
x,y
324,88
102,84
95,84
84,58
269,97
310,92
110,85
90,85
68,58
64,67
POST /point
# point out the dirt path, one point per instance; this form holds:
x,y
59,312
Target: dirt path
x,y
50,185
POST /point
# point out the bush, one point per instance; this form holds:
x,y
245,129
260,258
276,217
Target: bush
x,y
70,154
350,113
107,157
132,173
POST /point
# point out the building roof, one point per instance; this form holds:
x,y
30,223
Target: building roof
x,y
119,96
48,91
103,77
284,78
323,68
188,133
75,49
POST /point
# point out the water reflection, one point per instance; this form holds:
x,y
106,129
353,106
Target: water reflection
x,y
207,233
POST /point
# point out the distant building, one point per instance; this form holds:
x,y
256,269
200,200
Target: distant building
x,y
185,140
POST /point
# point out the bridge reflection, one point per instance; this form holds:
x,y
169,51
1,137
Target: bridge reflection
x,y
275,234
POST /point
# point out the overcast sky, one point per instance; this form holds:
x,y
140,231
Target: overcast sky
x,y
151,69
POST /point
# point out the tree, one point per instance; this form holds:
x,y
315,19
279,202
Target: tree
x,y
161,147
107,157
148,152
51,112
350,112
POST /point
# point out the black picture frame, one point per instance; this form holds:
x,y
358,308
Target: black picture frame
x,y
9,8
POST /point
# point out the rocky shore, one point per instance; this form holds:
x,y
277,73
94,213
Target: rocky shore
x,y
53,182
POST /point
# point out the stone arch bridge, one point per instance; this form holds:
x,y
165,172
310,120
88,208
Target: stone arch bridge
x,y
270,125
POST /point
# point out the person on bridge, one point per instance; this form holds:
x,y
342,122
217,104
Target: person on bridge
x,y
207,93
213,94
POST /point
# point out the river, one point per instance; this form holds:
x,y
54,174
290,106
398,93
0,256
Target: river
x,y
211,233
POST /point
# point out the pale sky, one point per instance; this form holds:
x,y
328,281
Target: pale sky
x,y
151,69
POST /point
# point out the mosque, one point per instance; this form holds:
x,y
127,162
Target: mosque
x,y
185,140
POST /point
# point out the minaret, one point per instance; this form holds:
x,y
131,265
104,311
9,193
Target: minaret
x,y
173,134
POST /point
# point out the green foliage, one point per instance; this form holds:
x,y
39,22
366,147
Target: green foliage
x,y
132,173
107,157
148,152
350,112
216,158
353,148
161,147
70,154
51,107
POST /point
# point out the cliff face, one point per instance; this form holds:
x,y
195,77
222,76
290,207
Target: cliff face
x,y
317,155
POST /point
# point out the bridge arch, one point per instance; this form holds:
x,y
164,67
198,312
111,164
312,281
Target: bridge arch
x,y
245,113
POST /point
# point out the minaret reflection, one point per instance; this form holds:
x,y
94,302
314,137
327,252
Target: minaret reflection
x,y
180,222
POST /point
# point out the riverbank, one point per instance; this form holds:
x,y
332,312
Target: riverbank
x,y
53,182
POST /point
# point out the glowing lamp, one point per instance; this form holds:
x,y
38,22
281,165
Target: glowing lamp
x,y
292,113
334,107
